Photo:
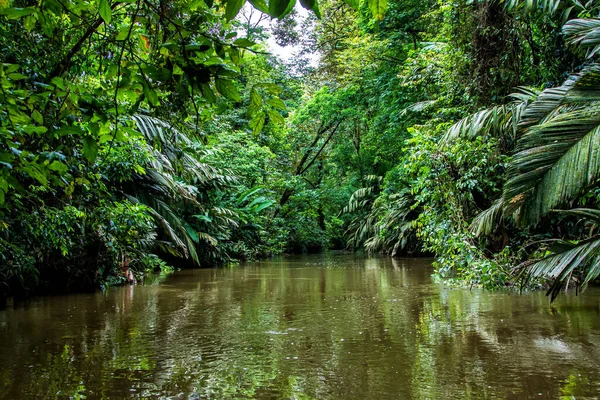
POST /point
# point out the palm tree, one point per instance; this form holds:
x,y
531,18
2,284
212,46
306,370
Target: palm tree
x,y
384,223
556,159
176,186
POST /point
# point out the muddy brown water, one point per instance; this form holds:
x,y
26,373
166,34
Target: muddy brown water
x,y
324,327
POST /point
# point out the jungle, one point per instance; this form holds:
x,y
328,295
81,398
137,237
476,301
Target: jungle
x,y
145,136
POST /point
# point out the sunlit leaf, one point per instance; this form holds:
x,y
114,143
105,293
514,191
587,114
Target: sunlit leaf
x,y
275,117
260,5
255,103
378,8
277,103
257,123
105,11
151,96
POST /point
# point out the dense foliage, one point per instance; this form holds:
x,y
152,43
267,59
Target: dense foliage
x,y
138,136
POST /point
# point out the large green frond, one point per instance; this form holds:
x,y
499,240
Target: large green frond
x,y
567,259
558,149
496,121
548,6
584,33
557,159
584,213
486,221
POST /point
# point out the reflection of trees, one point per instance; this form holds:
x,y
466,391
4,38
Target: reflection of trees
x,y
497,339
347,329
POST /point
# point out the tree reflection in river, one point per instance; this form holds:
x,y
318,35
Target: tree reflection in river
x,y
305,327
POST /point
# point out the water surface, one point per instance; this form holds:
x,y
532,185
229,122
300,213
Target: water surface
x,y
325,327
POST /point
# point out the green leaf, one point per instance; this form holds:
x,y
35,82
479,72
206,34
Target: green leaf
x,y
58,166
123,33
244,42
68,130
255,103
378,8
260,5
208,93
227,88
159,74
213,61
234,54
257,123
105,11
277,103
243,197
233,7
151,96
197,47
70,189
312,5
58,82
203,218
17,77
90,148
33,171
275,117
34,129
16,12
6,157
191,232
280,8
29,22
271,88
262,205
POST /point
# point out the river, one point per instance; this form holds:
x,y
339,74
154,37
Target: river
x,y
325,327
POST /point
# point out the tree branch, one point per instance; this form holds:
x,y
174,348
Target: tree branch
x,y
62,66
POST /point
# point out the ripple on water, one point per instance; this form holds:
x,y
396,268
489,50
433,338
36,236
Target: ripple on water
x,y
325,327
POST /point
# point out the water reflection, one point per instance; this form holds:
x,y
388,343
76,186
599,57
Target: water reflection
x,y
307,327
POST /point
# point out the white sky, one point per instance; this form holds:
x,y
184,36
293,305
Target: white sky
x,y
285,53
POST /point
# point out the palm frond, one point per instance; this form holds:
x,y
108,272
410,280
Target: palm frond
x,y
553,101
583,33
418,107
179,154
548,6
362,197
556,160
568,257
166,227
387,226
558,150
496,121
585,213
486,221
